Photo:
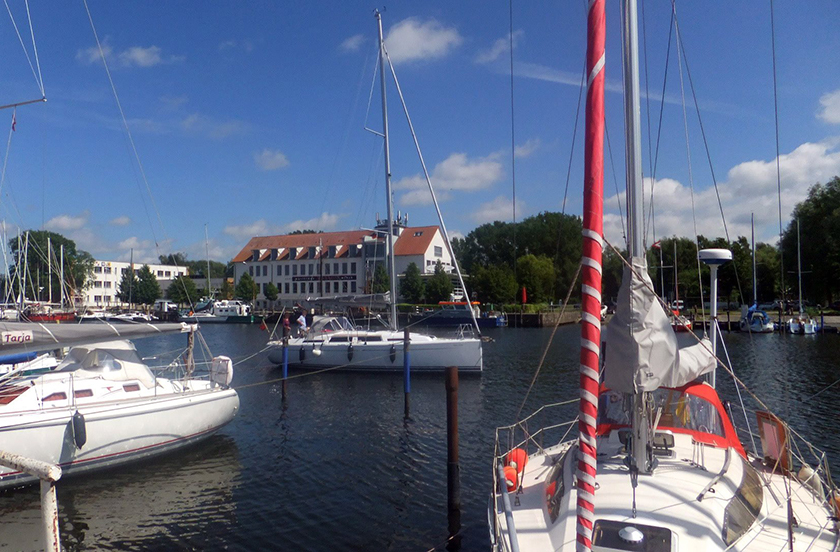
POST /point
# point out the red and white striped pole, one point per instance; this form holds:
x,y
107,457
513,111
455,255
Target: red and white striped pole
x,y
593,228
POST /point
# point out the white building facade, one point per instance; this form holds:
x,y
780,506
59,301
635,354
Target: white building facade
x,y
305,266
102,293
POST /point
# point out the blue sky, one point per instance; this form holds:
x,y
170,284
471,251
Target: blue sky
x,y
249,117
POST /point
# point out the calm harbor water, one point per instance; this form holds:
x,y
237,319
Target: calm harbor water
x,y
337,468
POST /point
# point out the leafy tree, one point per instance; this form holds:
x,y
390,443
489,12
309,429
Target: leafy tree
x,y
196,268
148,288
246,289
411,286
537,275
439,286
183,290
127,288
819,221
174,259
227,289
78,264
297,232
494,284
381,282
271,292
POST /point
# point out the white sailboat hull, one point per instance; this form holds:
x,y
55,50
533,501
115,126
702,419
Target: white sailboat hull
x,y
117,432
428,355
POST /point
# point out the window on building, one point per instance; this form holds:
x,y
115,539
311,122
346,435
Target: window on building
x,y
279,270
335,268
168,273
418,233
438,251
265,270
344,268
318,268
160,273
251,270
294,287
311,287
294,270
97,270
344,287
107,298
327,269
311,268
352,268
353,286
107,270
319,288
123,271
287,286
97,284
97,298
107,284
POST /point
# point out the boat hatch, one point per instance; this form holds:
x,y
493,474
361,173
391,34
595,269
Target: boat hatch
x,y
743,509
693,409
131,387
621,535
60,396
83,393
8,394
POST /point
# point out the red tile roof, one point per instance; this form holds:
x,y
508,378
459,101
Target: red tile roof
x,y
305,241
409,243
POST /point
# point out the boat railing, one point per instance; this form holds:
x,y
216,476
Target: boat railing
x,y
48,474
791,455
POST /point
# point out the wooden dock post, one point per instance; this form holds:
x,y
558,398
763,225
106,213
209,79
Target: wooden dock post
x,y
453,468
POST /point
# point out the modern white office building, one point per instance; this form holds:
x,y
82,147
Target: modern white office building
x,y
108,274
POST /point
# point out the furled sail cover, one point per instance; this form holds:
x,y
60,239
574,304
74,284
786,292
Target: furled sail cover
x,y
641,347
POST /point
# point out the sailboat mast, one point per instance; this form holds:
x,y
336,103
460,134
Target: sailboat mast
x,y
593,229
676,277
390,257
207,253
635,206
755,279
49,269
799,265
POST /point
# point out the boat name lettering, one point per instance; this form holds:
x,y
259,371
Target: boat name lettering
x,y
24,336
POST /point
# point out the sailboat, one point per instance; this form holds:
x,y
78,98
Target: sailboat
x,y
102,405
658,464
334,341
753,319
802,323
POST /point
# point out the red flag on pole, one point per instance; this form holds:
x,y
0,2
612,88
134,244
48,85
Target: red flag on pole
x,y
524,295
263,327
657,245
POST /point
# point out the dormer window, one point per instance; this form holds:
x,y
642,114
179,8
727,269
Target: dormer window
x,y
418,233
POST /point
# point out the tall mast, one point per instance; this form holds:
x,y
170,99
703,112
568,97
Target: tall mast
x,y
676,276
799,265
635,203
390,258
207,253
61,277
593,223
755,279
49,269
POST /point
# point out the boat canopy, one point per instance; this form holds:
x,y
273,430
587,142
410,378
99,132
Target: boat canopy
x,y
641,329
115,361
694,409
331,324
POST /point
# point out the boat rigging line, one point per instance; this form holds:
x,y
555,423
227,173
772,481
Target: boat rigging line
x,y
36,69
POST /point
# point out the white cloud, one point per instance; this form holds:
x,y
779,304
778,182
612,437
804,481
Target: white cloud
x,y
135,243
500,208
750,187
528,148
501,46
353,43
830,112
227,44
120,221
172,103
456,173
261,227
412,39
271,160
204,125
64,223
134,56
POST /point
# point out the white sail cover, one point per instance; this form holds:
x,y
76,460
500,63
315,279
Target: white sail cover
x,y
641,348
19,337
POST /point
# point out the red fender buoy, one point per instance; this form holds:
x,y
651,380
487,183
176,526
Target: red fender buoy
x,y
518,459
511,478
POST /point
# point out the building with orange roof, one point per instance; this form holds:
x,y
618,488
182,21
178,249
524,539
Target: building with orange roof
x,y
335,263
